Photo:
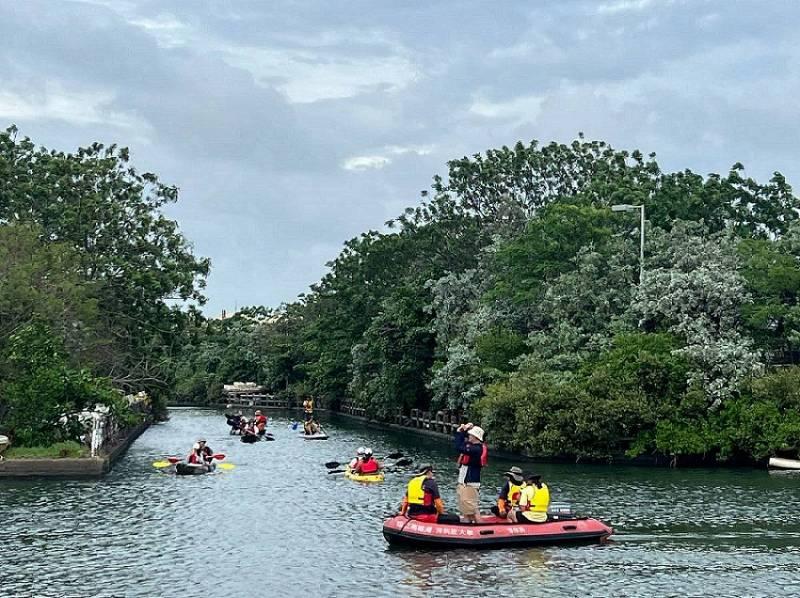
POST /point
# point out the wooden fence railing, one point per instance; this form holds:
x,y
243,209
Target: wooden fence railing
x,y
444,421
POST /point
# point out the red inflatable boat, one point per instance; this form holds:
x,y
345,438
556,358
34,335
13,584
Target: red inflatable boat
x,y
493,532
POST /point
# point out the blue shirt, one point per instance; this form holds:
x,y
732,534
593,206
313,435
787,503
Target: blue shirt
x,y
474,452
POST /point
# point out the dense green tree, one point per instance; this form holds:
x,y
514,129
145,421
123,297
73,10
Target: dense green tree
x,y
95,202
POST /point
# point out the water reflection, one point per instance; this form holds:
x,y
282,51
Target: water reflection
x,y
280,522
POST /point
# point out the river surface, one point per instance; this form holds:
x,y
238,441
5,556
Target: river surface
x,y
279,525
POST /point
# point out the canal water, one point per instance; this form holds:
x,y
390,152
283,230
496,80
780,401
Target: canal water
x,y
279,525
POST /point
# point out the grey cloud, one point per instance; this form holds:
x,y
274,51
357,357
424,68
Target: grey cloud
x,y
253,108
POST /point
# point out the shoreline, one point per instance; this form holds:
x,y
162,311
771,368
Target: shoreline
x,y
72,467
654,461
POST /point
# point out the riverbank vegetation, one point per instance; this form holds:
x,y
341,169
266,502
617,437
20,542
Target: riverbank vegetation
x,y
89,269
512,292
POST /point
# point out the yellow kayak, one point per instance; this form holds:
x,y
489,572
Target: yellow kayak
x,y
368,478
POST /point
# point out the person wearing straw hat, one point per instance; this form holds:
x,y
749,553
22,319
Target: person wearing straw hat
x,y
509,493
533,502
473,456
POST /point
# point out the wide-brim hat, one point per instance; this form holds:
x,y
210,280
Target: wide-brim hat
x,y
515,473
477,432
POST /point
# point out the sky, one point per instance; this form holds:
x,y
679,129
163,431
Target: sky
x,y
290,127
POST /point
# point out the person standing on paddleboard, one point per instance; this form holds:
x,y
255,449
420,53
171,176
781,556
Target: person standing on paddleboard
x,y
473,455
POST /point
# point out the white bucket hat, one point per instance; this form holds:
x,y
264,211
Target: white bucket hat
x,y
477,432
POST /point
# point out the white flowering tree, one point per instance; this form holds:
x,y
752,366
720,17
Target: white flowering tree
x,y
693,287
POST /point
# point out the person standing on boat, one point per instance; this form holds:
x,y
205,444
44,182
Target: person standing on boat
x,y
509,493
308,408
473,456
422,500
533,502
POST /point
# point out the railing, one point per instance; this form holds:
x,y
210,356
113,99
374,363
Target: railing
x,y
351,409
255,400
444,421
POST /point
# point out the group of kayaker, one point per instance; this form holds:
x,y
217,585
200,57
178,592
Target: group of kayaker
x,y
522,499
255,426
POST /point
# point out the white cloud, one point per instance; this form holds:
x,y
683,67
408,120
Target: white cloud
x,y
366,162
623,6
168,31
419,150
523,109
74,107
307,76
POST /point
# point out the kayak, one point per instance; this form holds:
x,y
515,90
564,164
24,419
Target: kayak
x,y
193,468
494,532
317,436
369,478
250,439
778,463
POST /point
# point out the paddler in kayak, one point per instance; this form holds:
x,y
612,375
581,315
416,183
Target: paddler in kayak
x,y
260,422
533,502
422,500
358,458
368,465
201,454
473,456
509,493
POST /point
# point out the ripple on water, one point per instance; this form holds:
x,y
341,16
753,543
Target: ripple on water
x,y
279,519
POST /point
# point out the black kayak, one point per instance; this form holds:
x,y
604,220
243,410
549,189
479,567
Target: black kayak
x,y
250,439
193,469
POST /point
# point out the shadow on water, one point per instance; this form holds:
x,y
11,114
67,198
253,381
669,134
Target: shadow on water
x,y
279,520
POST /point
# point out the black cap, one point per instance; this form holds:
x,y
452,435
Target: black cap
x,y
425,468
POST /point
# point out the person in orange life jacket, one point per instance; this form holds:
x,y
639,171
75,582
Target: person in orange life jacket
x,y
509,493
357,459
473,456
260,422
200,454
368,464
308,408
533,502
422,500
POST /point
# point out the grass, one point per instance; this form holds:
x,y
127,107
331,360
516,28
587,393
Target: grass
x,y
55,451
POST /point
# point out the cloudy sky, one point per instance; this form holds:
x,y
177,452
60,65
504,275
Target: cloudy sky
x,y
293,126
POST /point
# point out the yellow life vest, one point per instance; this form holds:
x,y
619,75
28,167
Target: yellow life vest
x,y
514,493
415,493
538,499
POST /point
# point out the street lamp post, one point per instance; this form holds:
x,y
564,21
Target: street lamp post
x,y
624,207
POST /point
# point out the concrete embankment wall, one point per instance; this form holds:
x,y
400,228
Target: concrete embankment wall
x,y
68,467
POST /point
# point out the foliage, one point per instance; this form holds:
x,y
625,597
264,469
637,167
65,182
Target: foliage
x,y
131,256
512,292
44,395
